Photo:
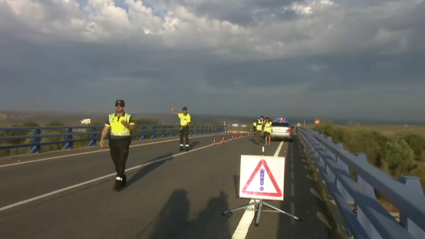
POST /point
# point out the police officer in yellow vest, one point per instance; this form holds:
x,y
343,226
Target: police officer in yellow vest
x,y
120,124
267,130
260,125
185,120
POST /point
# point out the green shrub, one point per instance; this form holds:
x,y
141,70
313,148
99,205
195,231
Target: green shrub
x,y
403,154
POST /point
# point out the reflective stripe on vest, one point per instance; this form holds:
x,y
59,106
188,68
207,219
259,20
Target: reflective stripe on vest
x,y
260,125
268,127
117,129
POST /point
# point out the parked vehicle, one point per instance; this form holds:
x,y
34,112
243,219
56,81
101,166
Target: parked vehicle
x,y
282,130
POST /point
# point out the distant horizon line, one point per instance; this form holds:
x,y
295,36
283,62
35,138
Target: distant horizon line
x,y
291,117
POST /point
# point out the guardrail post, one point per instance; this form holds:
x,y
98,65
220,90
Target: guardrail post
x,y
164,132
191,130
202,130
413,228
153,135
69,144
315,154
346,169
369,192
36,148
143,136
197,129
328,170
93,137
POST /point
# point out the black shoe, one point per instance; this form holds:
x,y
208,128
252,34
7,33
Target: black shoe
x,y
118,184
124,181
181,148
187,148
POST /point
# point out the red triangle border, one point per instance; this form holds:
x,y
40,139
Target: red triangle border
x,y
278,191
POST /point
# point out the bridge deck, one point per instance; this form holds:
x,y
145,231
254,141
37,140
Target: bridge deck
x,y
182,197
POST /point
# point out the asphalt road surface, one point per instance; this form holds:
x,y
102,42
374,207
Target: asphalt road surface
x,y
170,194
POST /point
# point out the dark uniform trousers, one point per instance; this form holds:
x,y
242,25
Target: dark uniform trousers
x,y
184,133
258,134
119,148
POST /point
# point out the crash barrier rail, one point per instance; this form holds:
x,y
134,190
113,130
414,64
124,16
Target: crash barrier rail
x,y
36,137
355,198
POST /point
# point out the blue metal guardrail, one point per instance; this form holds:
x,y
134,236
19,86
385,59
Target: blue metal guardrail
x,y
92,133
364,215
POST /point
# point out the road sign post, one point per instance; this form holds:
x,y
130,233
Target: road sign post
x,y
261,178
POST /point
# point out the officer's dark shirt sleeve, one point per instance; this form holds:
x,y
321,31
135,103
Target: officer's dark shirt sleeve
x,y
107,122
131,121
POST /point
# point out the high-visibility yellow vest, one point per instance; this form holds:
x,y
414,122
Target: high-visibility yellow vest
x,y
268,127
117,128
260,125
184,119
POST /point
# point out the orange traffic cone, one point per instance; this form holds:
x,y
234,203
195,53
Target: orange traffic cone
x,y
223,140
215,142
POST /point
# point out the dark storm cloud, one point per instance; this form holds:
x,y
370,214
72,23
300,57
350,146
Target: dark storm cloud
x,y
369,71
260,73
364,59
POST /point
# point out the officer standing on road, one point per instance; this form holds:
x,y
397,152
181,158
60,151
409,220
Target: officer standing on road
x,y
120,123
267,130
185,120
259,129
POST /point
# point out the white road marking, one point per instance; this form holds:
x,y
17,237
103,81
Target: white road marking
x,y
292,212
100,178
92,152
292,189
293,185
246,220
276,154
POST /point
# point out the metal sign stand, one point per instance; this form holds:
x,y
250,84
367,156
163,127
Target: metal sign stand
x,y
259,207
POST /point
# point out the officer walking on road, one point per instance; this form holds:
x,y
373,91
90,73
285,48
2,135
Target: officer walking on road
x,y
185,120
120,124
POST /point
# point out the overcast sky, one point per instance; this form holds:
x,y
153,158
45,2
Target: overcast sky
x,y
357,58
